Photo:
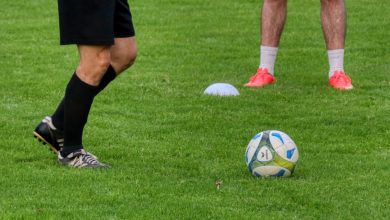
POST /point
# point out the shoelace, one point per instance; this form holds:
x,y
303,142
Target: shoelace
x,y
260,74
86,159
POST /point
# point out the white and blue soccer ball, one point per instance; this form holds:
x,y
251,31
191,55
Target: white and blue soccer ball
x,y
271,153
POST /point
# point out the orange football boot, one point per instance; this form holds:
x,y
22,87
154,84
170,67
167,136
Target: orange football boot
x,y
261,78
341,81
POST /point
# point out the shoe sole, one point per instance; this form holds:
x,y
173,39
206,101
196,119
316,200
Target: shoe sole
x,y
342,88
262,85
44,142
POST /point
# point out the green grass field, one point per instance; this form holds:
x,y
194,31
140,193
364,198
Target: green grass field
x,y
168,143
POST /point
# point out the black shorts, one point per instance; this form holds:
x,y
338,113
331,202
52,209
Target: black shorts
x,y
94,22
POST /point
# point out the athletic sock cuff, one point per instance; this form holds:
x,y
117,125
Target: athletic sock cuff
x,y
69,149
107,78
268,47
83,84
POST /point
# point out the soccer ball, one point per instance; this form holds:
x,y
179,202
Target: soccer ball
x,y
271,153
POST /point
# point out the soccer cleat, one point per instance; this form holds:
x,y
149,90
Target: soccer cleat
x,y
46,133
261,78
341,81
81,158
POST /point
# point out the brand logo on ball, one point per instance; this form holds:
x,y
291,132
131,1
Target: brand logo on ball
x,y
264,154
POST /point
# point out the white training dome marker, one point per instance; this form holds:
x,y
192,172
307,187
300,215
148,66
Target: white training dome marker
x,y
221,89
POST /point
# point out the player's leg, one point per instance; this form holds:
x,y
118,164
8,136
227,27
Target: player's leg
x,y
123,53
273,18
333,16
99,65
79,95
57,119
84,85
90,25
93,60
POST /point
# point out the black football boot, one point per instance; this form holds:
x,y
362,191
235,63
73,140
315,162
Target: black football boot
x,y
46,133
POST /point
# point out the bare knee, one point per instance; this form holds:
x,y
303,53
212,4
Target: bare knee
x,y
93,65
123,53
103,62
126,60
123,58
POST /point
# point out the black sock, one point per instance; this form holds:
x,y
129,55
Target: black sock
x,y
58,116
77,103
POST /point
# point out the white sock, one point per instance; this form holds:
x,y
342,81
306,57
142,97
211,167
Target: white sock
x,y
268,57
336,61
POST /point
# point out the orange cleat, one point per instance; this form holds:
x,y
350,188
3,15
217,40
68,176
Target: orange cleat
x,y
341,81
261,78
